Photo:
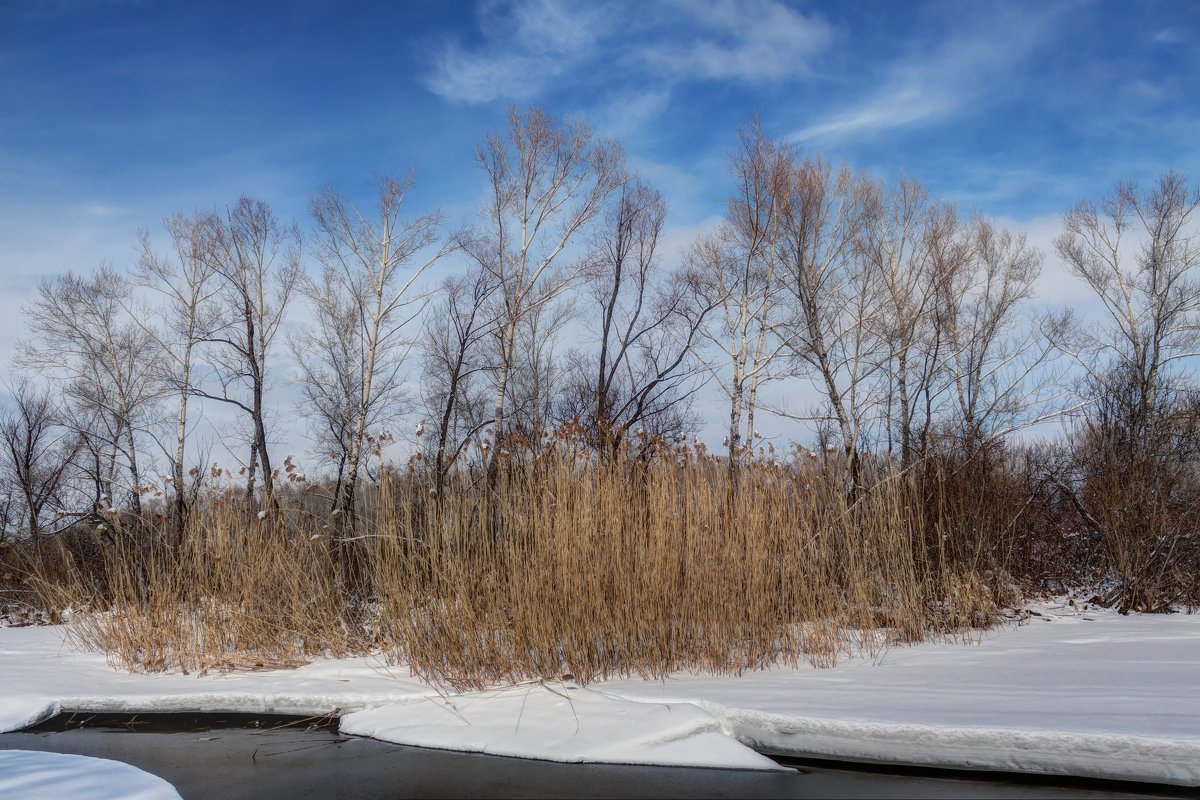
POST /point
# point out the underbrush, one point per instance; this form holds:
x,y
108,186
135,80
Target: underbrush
x,y
551,565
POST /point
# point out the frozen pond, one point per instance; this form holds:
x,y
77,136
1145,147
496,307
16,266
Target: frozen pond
x,y
255,756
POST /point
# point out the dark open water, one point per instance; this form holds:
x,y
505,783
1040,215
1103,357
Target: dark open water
x,y
226,756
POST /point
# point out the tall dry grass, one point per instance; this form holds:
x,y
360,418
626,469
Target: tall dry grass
x,y
553,564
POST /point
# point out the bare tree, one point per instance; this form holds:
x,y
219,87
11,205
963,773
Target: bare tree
x,y
187,283
992,348
10,509
833,297
538,372
893,245
454,358
1138,252
364,303
38,451
738,270
943,256
547,180
643,373
105,363
326,355
257,260
1136,453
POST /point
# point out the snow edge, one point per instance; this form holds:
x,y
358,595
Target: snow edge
x,y
1117,757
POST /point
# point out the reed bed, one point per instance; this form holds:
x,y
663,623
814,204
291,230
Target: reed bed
x,y
543,566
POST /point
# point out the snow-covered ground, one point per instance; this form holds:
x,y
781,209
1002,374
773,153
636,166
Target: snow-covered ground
x,y
1086,694
560,723
31,775
1091,694
42,674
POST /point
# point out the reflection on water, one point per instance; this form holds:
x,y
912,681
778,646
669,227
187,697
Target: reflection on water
x,y
259,756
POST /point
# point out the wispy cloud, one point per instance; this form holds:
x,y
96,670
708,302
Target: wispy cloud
x,y
1168,36
999,183
625,113
525,46
529,46
1145,90
102,210
759,41
934,83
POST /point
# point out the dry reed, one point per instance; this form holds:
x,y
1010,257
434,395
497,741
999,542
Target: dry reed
x,y
545,565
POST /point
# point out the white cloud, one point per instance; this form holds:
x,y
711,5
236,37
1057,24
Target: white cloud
x,y
765,40
996,184
677,240
529,45
102,210
906,102
525,45
1168,36
625,113
1145,90
937,82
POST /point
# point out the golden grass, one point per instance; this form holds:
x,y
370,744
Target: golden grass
x,y
555,564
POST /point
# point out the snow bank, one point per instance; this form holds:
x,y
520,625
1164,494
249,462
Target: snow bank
x,y
30,775
43,675
560,723
1091,695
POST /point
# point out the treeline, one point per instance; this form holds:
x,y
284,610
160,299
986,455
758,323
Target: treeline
x,y
906,330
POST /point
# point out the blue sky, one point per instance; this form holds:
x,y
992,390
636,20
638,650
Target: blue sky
x,y
113,114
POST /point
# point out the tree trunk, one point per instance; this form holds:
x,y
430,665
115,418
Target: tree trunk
x,y
135,500
735,423
507,344
252,469
180,504
751,404
441,466
260,436
905,414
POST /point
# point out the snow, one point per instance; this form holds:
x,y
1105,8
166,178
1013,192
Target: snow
x,y
43,675
30,775
560,723
1091,695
